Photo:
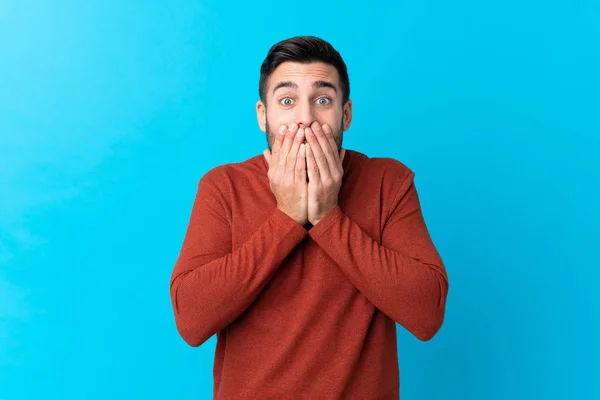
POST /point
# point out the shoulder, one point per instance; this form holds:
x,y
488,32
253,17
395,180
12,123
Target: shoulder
x,y
389,171
224,176
390,166
215,176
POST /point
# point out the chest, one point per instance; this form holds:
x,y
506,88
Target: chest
x,y
307,272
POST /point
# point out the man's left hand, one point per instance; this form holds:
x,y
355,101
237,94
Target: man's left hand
x,y
324,170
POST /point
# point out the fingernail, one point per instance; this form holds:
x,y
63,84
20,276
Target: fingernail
x,y
282,129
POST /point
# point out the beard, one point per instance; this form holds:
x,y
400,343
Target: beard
x,y
338,135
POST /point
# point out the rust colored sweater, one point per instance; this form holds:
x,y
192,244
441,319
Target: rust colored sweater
x,y
307,312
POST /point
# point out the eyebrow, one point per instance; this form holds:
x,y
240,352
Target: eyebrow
x,y
324,84
316,85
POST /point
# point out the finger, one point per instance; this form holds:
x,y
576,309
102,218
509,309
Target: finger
x,y
312,169
319,156
301,165
325,136
343,154
298,139
279,136
284,153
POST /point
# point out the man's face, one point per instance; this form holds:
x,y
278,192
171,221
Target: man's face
x,y
304,93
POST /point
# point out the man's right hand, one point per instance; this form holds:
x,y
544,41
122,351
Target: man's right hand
x,y
287,172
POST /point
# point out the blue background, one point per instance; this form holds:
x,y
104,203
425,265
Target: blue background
x,y
111,111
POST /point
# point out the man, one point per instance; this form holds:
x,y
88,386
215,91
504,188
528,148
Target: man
x,y
302,259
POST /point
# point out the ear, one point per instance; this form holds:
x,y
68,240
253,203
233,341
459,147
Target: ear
x,y
347,115
261,115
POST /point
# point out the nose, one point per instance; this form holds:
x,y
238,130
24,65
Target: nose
x,y
305,116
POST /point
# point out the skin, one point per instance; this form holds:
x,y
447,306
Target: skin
x,y
305,157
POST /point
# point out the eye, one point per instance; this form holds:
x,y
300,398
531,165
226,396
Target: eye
x,y
286,101
323,101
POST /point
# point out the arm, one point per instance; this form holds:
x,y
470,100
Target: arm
x,y
404,277
211,285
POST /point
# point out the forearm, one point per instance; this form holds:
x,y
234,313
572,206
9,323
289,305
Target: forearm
x,y
410,290
208,296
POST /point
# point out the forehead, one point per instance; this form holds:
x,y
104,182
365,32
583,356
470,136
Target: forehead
x,y
304,74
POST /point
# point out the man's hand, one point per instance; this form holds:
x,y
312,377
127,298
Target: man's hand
x,y
324,168
287,172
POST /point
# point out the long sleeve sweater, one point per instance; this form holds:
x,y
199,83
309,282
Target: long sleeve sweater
x,y
307,312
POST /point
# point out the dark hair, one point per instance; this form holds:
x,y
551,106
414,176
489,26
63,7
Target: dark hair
x,y
303,49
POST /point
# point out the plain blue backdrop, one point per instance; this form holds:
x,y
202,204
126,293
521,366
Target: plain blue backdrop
x,y
111,111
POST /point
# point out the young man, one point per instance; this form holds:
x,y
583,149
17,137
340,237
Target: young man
x,y
303,259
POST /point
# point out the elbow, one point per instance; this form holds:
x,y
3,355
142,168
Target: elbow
x,y
189,324
431,317
424,324
192,327
427,328
192,334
